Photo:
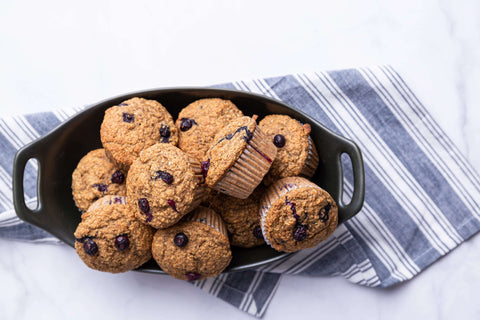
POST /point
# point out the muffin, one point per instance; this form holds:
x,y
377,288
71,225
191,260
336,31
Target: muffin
x,y
163,185
199,122
239,158
134,125
296,152
195,248
111,239
296,214
94,177
241,216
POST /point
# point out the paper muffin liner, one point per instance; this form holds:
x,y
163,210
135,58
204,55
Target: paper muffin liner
x,y
208,217
311,163
107,200
276,191
200,191
248,171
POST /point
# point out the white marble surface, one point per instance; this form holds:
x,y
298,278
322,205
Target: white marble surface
x,y
55,54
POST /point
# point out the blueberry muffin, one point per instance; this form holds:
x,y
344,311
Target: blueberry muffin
x,y
163,185
199,122
111,239
239,157
94,177
241,216
134,125
296,152
195,248
297,214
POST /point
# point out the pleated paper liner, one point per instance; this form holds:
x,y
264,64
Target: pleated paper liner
x,y
312,160
208,217
249,170
200,191
277,191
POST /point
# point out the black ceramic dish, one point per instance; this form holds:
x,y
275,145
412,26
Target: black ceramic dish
x,y
59,151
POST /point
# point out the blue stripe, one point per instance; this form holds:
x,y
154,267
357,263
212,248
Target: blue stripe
x,y
403,146
443,142
43,122
235,286
437,131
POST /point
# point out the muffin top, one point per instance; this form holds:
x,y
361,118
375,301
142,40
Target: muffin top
x,y
94,177
192,250
199,122
292,141
111,239
297,214
134,125
228,146
241,217
163,185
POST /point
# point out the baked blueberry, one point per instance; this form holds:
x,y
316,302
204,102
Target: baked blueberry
x,y
122,242
144,205
300,232
118,177
279,141
90,246
164,175
186,124
180,239
192,276
128,117
165,133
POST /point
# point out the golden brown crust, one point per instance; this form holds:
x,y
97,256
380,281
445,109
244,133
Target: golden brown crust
x,y
167,203
292,157
291,203
210,115
227,147
241,217
206,253
124,140
103,225
92,179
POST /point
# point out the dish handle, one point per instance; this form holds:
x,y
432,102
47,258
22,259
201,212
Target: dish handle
x,y
30,151
348,210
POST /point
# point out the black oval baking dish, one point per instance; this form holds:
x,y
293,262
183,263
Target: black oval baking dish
x,y
59,151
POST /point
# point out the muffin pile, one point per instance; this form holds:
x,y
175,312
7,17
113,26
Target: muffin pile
x,y
183,192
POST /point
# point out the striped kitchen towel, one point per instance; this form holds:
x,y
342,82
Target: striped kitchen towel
x,y
422,198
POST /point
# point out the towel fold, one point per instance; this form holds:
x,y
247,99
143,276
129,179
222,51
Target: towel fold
x,y
422,197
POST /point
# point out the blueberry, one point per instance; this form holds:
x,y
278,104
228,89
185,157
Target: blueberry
x,y
122,242
205,166
279,141
323,213
171,203
143,205
293,207
192,276
257,232
123,104
90,247
180,239
164,175
118,177
101,187
165,133
300,232
186,124
128,117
